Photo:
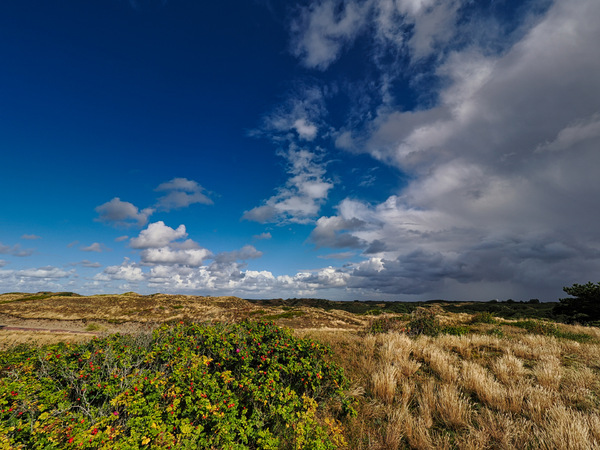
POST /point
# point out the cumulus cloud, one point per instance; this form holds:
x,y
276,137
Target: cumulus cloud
x,y
300,200
332,232
122,213
161,244
231,278
35,279
168,255
181,267
127,271
181,193
43,272
178,193
262,236
47,278
157,235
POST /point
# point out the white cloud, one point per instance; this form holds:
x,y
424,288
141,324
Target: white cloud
x,y
305,130
181,193
122,213
3,262
167,255
161,244
47,278
157,235
321,30
127,271
262,236
230,279
301,198
300,116
44,273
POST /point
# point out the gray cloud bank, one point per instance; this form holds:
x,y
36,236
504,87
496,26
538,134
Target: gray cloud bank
x,y
504,170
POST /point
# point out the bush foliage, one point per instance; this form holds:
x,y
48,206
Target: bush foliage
x,y
424,321
251,385
583,306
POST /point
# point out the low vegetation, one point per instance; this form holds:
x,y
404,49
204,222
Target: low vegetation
x,y
372,376
519,387
251,385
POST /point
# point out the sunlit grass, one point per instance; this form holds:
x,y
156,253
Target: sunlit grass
x,y
535,387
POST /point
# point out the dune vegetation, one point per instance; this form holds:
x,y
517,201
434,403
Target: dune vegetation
x,y
296,375
474,386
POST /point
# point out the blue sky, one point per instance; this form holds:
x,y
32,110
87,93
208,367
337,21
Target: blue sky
x,y
343,149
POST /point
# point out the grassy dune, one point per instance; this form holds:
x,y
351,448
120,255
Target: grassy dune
x,y
430,378
475,391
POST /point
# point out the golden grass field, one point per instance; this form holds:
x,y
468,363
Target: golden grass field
x,y
496,387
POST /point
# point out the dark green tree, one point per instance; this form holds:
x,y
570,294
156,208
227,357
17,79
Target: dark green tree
x,y
583,306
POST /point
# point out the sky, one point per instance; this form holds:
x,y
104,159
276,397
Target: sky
x,y
340,149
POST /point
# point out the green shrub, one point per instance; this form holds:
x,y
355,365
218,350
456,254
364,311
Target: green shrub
x,y
387,324
537,327
251,385
484,317
285,315
578,337
93,327
496,331
424,321
552,329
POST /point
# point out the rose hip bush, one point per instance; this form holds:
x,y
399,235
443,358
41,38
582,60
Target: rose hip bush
x,y
189,386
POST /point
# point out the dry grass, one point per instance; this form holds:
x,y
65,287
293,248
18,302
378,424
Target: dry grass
x,y
11,338
472,392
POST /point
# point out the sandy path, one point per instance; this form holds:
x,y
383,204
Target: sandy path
x,y
45,330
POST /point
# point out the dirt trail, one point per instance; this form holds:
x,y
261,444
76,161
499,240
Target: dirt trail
x,y
45,330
